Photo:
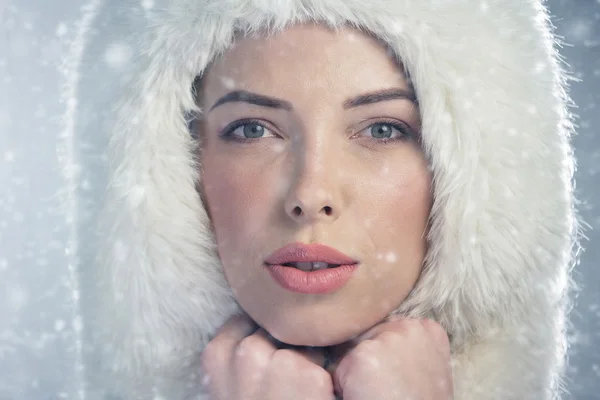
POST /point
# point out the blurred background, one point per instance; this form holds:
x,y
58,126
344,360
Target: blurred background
x,y
39,324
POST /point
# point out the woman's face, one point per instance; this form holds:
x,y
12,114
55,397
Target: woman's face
x,y
331,157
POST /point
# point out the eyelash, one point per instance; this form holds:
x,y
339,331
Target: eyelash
x,y
227,133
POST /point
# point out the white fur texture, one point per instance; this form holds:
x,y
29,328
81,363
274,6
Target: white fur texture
x,y
496,130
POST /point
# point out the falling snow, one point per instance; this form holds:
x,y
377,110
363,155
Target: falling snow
x,y
118,55
147,4
40,47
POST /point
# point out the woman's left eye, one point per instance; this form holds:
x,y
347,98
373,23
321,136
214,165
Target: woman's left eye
x,y
386,131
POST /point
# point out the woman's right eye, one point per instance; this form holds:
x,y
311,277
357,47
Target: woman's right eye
x,y
247,130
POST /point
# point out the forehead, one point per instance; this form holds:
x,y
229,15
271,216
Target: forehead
x,y
304,58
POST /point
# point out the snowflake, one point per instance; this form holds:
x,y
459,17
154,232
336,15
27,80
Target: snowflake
x,y
390,257
17,297
117,55
59,325
78,324
228,82
61,29
147,4
579,30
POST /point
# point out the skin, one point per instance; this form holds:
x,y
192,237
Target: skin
x,y
397,359
353,178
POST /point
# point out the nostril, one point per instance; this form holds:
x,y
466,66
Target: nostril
x,y
297,211
328,210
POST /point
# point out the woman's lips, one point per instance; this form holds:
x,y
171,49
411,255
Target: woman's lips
x,y
316,280
298,252
312,282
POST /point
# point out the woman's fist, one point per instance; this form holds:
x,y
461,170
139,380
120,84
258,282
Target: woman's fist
x,y
242,362
397,359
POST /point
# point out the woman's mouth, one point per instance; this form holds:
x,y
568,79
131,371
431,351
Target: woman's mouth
x,y
315,269
310,266
303,256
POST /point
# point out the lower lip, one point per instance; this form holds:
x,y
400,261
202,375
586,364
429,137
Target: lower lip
x,y
312,282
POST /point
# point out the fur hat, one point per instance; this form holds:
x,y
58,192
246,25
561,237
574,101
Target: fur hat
x,y
496,129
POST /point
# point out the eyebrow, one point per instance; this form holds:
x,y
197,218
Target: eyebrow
x,y
272,102
379,96
253,98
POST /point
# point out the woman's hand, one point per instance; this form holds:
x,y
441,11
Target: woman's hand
x,y
398,359
241,362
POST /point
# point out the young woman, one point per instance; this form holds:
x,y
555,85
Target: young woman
x,y
361,199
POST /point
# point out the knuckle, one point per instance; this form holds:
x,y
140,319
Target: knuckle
x,y
290,366
364,356
436,329
413,327
403,325
310,373
321,379
249,350
391,336
212,355
367,347
246,346
428,323
413,324
284,359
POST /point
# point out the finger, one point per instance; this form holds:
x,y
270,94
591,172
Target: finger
x,y
216,355
231,333
336,354
339,375
250,359
438,335
293,376
259,341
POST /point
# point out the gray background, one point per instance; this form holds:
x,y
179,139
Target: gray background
x,y
579,23
38,315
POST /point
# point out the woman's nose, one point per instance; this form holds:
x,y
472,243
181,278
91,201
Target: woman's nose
x,y
305,209
314,194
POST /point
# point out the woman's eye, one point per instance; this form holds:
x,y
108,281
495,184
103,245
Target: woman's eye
x,y
386,130
247,130
251,131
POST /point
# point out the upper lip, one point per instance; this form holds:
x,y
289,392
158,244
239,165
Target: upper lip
x,y
298,252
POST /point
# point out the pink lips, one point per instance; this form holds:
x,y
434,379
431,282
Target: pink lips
x,y
297,252
310,282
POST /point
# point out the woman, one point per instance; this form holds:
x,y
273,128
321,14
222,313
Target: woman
x,y
309,198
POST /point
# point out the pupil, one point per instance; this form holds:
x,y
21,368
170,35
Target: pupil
x,y
253,130
381,131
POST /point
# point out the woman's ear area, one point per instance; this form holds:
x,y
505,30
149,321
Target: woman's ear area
x,y
197,89
193,117
194,126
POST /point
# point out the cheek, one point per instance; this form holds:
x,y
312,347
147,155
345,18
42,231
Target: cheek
x,y
410,201
239,195
401,203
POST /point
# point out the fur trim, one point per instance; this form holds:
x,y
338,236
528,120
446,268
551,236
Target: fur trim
x,y
496,129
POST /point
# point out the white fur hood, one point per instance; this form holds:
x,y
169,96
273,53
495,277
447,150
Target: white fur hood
x,y
496,129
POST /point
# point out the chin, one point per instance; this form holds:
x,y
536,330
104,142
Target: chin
x,y
311,340
310,334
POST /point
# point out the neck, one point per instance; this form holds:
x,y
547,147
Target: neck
x,y
333,354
